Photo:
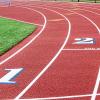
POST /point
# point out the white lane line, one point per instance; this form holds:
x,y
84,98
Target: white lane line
x,y
87,11
96,87
54,20
62,97
78,8
83,9
52,60
93,23
26,45
98,79
89,7
94,49
38,24
94,26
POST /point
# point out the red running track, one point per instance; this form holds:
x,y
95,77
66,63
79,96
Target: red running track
x,y
54,67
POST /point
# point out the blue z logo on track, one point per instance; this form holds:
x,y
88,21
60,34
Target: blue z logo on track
x,y
84,41
6,79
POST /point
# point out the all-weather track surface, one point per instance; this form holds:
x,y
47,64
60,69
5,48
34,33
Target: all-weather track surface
x,y
55,66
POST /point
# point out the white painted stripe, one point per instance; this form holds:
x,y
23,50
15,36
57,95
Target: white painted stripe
x,y
26,45
96,87
21,21
81,49
78,8
42,72
89,7
54,20
62,97
53,59
83,17
77,14
38,24
87,11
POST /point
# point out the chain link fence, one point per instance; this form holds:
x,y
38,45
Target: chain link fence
x,y
5,2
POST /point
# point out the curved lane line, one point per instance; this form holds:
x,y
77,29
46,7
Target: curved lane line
x,y
86,10
97,85
51,62
93,97
89,7
75,13
43,71
26,45
78,8
82,16
63,97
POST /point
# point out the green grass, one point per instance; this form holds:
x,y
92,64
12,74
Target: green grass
x,y
12,32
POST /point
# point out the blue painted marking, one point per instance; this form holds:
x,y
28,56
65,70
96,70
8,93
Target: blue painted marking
x,y
85,41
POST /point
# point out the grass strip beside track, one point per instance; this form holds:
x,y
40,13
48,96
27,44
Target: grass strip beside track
x,y
12,32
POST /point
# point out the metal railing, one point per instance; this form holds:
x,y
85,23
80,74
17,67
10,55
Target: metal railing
x,y
5,2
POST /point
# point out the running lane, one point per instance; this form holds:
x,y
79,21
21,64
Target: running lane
x,y
35,56
73,75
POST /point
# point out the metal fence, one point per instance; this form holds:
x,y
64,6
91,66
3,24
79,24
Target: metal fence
x,y
5,2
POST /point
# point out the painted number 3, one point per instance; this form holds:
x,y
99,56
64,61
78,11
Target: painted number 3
x,y
7,79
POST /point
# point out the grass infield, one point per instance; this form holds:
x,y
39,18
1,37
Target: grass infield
x,y
12,32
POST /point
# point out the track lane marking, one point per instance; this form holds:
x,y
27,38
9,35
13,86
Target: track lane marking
x,y
89,7
75,13
54,20
93,23
26,45
63,97
98,79
76,7
40,74
87,11
93,97
85,49
52,60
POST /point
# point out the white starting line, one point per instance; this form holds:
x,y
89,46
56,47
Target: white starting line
x,y
62,97
85,49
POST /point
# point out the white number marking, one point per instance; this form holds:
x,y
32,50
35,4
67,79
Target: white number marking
x,y
84,41
6,79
